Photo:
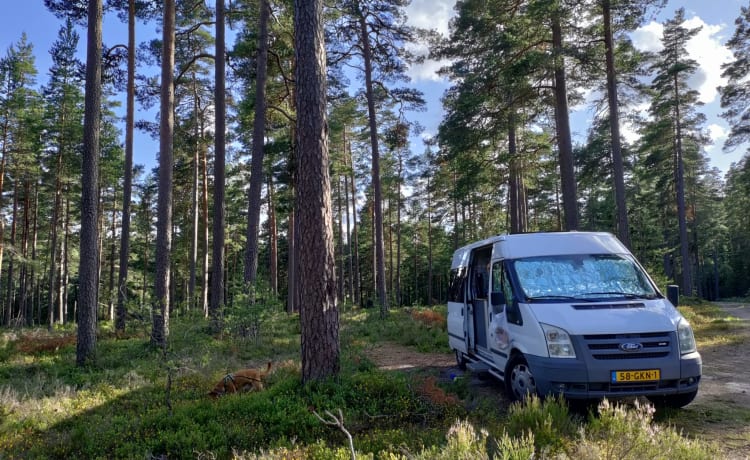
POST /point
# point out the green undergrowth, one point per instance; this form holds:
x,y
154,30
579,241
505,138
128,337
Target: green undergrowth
x,y
136,401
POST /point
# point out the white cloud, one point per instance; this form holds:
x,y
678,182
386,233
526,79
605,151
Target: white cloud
x,y
429,14
717,134
648,37
706,48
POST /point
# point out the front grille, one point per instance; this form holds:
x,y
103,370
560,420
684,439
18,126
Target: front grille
x,y
630,355
607,346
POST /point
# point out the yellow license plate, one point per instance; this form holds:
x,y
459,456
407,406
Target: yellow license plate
x,y
636,376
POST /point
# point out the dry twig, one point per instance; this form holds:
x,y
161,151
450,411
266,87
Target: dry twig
x,y
338,422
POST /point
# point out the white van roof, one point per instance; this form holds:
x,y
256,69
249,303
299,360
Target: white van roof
x,y
522,245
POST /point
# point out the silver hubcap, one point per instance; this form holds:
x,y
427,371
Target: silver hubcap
x,y
522,382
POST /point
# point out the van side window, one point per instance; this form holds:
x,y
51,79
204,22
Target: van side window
x,y
497,269
513,312
456,285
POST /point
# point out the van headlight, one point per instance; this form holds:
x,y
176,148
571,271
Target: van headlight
x,y
558,342
685,337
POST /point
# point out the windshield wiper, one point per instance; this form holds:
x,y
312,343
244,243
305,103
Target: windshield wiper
x,y
627,295
555,297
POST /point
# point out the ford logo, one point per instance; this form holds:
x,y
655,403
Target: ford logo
x,y
630,347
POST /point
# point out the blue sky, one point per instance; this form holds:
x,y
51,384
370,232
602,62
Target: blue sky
x,y
716,17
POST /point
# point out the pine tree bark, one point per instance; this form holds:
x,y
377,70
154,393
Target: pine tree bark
x,y
65,261
192,298
429,244
216,304
259,130
340,241
687,276
23,278
10,288
273,263
112,258
127,192
34,238
291,302
204,227
89,253
161,302
379,244
618,169
562,119
319,316
355,250
397,286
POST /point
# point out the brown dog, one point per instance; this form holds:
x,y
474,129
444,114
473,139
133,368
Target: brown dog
x,y
243,380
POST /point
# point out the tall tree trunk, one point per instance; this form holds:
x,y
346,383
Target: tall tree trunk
x,y
102,234
562,121
161,302
112,257
10,297
34,237
53,242
398,232
216,304
356,275
377,193
259,132
23,281
192,299
206,242
127,192
319,315
429,244
350,258
519,209
340,241
5,313
291,302
389,269
65,261
89,254
687,276
618,170
456,226
273,240
146,245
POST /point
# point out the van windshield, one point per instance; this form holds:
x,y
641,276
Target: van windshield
x,y
582,277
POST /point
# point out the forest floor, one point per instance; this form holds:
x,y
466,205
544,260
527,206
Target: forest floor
x,y
720,413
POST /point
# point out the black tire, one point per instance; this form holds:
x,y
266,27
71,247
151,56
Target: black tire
x,y
519,381
460,360
673,401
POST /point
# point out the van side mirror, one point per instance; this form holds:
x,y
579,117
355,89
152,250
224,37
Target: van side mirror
x,y
673,294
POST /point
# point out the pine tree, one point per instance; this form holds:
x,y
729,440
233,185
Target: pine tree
x,y
736,94
161,301
64,97
319,315
675,130
89,253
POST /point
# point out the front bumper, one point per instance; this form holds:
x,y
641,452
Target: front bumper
x,y
576,379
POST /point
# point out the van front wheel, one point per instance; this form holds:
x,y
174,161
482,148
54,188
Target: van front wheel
x,y
519,380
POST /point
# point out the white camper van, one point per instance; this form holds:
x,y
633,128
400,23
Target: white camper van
x,y
572,314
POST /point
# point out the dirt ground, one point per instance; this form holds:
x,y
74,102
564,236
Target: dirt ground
x,y
725,382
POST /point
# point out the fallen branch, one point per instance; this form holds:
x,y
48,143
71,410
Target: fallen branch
x,y
338,422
